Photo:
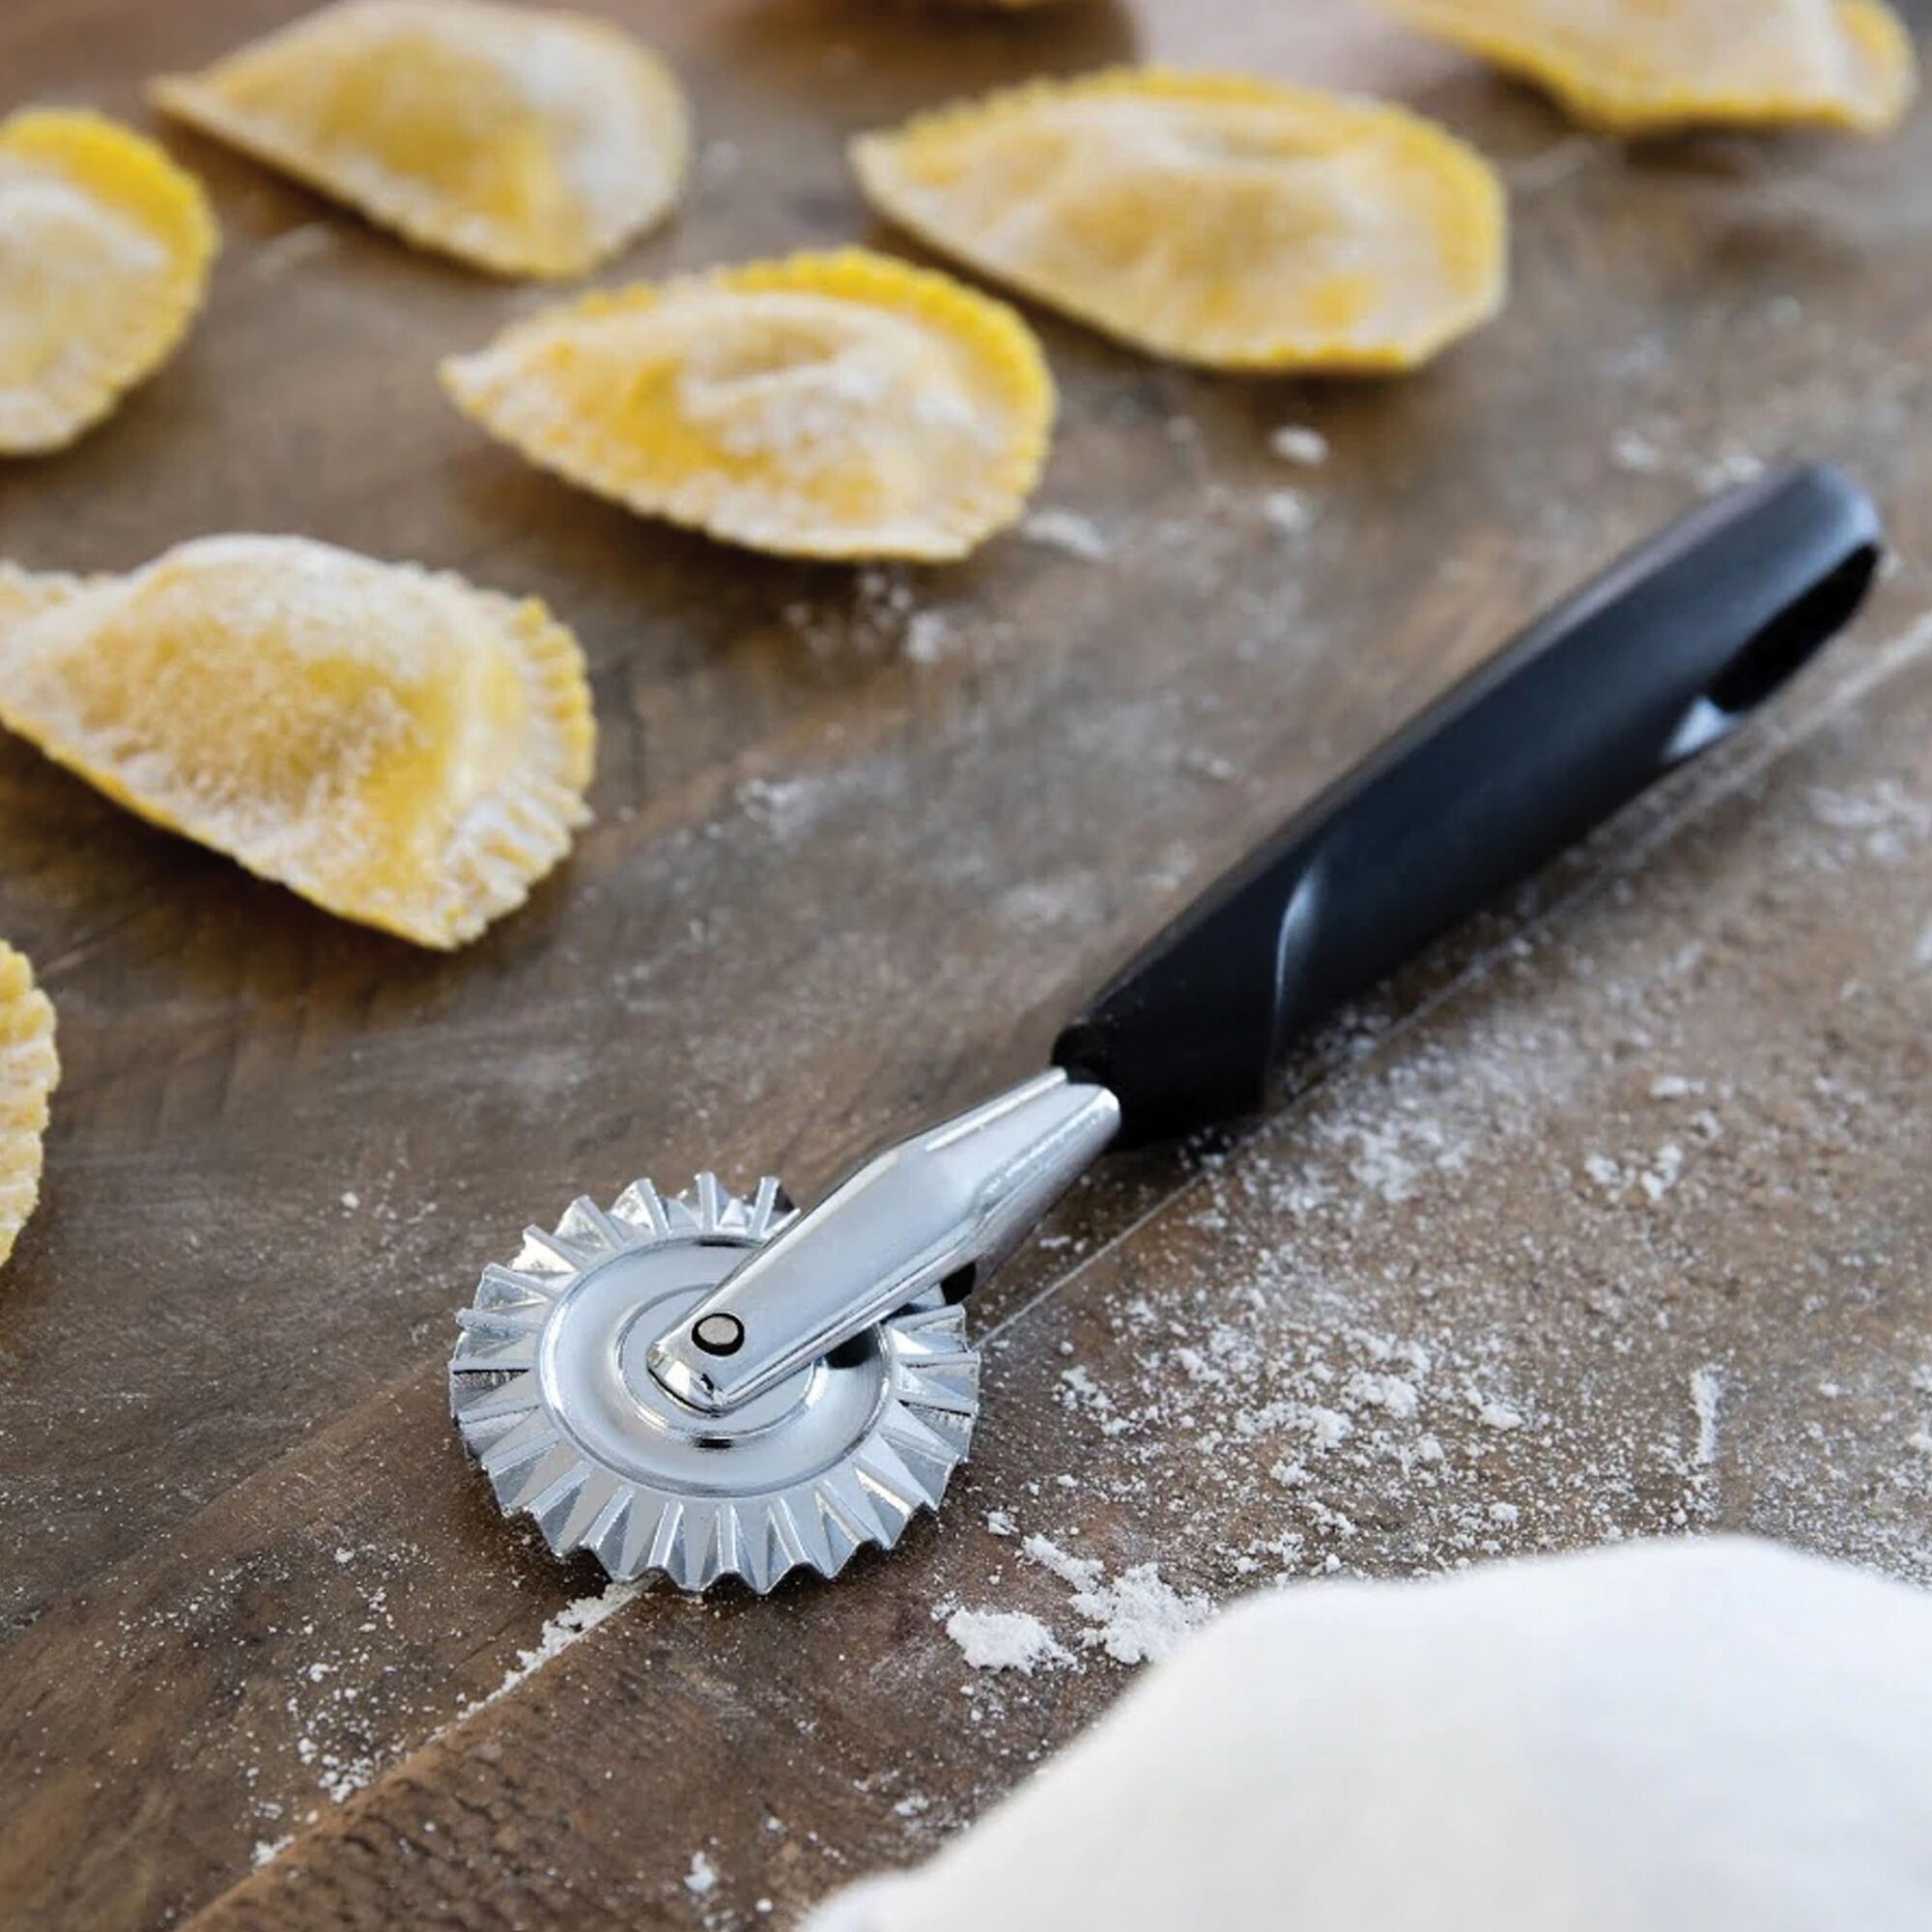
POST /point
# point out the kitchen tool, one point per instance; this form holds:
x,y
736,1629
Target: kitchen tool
x,y
711,1385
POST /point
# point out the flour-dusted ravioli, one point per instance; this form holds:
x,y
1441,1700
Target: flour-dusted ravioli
x,y
104,247
1642,65
29,1071
397,745
1210,218
837,406
527,143
25,593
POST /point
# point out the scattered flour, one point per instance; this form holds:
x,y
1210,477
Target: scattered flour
x,y
1327,1429
1394,1158
926,634
1390,1392
1707,1390
1658,449
1289,511
572,1622
787,807
1735,466
291,248
1661,1177
1295,443
872,621
1138,1618
1004,1640
1651,1176
1084,1573
1608,1174
1067,531
1636,454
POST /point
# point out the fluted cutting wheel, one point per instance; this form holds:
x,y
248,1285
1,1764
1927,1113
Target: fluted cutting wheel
x,y
550,1389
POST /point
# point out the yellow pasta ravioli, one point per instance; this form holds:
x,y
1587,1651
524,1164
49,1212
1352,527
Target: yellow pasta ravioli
x,y
527,143
104,247
838,406
399,747
1642,65
1212,219
29,1071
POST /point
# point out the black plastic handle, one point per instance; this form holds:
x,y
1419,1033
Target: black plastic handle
x,y
1654,661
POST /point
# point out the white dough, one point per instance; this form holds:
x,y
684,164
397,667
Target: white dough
x,y
1720,1735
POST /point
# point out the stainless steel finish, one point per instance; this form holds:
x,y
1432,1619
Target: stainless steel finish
x,y
960,1196
549,1387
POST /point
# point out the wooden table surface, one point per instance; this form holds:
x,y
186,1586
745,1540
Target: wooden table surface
x,y
1612,1218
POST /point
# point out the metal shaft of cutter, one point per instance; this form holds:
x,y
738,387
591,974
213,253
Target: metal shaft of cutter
x,y
957,1198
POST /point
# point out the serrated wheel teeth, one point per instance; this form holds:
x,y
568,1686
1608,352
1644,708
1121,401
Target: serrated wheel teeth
x,y
538,1464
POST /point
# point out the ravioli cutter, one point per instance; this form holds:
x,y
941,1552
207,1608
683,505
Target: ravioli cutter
x,y
713,1385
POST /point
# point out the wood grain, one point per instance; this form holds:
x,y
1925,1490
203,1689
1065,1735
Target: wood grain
x,y
832,891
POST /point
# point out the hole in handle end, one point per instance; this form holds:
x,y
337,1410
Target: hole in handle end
x,y
1775,655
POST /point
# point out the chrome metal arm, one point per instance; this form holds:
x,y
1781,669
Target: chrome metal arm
x,y
958,1196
